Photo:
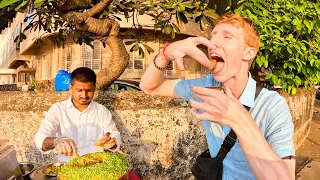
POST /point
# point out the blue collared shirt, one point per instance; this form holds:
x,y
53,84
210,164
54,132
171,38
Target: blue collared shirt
x,y
269,110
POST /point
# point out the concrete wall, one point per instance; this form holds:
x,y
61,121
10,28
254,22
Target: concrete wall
x,y
159,134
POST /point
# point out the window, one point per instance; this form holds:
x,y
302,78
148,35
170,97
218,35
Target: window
x,y
66,57
46,66
91,58
136,61
173,70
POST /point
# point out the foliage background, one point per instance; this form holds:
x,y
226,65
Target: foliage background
x,y
290,40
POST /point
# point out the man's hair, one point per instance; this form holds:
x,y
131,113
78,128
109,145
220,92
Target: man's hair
x,y
83,75
251,34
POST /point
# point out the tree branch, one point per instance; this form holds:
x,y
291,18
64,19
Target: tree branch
x,y
70,5
98,8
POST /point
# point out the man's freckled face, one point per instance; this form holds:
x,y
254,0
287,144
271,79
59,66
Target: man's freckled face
x,y
229,44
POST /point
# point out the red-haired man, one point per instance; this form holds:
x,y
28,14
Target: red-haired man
x,y
264,149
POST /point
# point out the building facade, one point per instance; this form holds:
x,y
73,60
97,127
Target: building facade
x,y
42,61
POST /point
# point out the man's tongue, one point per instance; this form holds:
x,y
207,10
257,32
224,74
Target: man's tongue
x,y
218,67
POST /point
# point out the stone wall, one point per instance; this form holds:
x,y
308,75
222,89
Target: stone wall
x,y
301,108
159,134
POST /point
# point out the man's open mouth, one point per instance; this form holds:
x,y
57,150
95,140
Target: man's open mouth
x,y
217,57
219,62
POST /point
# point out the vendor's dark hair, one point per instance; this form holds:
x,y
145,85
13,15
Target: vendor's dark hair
x,y
84,75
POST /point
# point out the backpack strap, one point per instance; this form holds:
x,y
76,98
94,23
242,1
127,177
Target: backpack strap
x,y
231,138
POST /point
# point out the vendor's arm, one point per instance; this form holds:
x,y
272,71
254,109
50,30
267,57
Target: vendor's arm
x,y
264,155
48,129
153,80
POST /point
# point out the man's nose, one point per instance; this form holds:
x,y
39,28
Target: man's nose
x,y
84,94
215,41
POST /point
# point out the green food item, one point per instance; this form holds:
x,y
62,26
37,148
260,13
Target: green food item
x,y
95,166
53,169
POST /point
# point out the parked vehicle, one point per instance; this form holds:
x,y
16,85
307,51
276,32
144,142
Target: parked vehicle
x,y
125,85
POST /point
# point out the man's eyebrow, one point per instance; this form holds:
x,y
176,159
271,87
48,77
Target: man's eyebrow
x,y
228,32
224,32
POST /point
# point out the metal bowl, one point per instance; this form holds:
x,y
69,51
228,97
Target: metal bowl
x,y
26,169
45,169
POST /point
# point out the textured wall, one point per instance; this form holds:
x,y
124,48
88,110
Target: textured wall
x,y
301,108
159,134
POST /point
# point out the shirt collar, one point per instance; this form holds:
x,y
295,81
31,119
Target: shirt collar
x,y
70,104
248,95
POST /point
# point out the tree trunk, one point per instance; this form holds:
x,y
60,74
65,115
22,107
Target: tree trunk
x,y
118,63
105,29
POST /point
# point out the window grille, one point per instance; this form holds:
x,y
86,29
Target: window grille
x,y
91,58
66,57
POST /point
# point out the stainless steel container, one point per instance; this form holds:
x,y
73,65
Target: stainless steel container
x,y
26,169
9,166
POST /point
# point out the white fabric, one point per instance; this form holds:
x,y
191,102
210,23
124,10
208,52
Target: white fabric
x,y
84,128
24,88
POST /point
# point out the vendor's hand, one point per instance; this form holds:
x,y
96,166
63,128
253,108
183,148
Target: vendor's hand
x,y
218,107
188,47
106,142
65,146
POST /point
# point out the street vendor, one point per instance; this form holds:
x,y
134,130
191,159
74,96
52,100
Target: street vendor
x,y
263,146
78,125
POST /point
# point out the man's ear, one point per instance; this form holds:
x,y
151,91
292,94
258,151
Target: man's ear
x,y
249,53
70,86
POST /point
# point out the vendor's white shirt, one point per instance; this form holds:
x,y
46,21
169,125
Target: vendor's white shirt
x,y
84,128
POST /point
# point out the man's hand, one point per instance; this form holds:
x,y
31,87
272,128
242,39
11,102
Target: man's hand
x,y
106,142
188,47
218,107
65,146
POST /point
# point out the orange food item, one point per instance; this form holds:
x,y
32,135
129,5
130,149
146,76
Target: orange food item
x,y
98,143
214,63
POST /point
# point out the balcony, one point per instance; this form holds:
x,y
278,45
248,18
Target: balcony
x,y
13,59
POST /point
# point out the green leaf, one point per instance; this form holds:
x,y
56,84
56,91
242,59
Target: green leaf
x,y
143,10
294,91
38,4
21,5
202,24
130,42
211,13
141,52
176,28
318,23
149,49
173,34
308,25
181,8
5,3
134,47
268,76
289,50
188,4
183,18
274,79
298,81
167,29
178,17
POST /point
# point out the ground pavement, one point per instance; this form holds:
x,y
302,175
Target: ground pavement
x,y
308,154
